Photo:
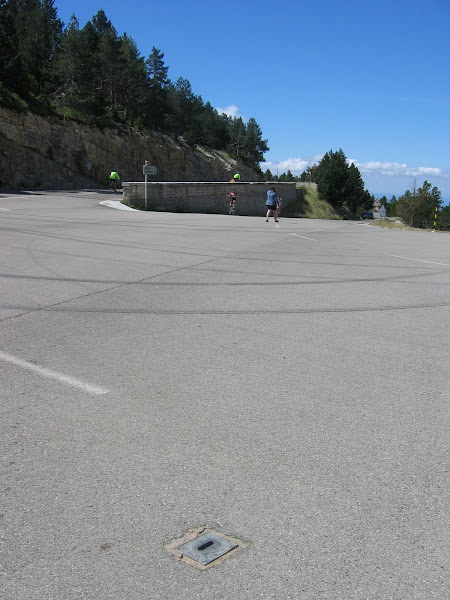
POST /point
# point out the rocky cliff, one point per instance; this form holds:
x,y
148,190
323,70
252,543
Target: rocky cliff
x,y
48,153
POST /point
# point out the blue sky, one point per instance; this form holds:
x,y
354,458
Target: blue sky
x,y
371,78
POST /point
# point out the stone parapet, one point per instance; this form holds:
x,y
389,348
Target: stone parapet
x,y
206,197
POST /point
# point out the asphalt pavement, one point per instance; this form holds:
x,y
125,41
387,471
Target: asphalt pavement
x,y
284,384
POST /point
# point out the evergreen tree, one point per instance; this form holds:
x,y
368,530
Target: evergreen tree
x,y
106,68
332,178
339,184
417,206
355,189
30,32
50,34
181,102
131,81
66,67
93,75
309,174
87,66
157,105
443,221
157,71
11,72
236,145
211,129
391,207
254,145
75,69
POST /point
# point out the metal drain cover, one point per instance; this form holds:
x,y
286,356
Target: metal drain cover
x,y
207,547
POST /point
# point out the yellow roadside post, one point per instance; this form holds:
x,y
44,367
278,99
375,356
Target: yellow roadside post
x,y
435,218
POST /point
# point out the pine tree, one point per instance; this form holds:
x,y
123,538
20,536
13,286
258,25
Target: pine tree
x,y
157,105
236,145
181,101
254,145
157,72
332,178
355,189
417,206
131,83
30,33
95,76
339,184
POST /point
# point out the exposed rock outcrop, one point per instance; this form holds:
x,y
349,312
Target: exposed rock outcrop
x,y
48,153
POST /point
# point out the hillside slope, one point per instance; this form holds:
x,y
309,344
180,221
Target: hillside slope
x,y
48,153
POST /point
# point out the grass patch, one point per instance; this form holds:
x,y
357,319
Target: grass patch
x,y
11,100
226,156
391,223
131,205
309,206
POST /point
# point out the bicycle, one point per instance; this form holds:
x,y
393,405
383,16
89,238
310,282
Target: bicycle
x,y
114,185
232,199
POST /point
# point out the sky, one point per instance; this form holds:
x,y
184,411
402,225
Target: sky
x,y
372,78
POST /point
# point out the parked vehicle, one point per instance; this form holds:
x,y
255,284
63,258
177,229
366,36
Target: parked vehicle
x,y
368,215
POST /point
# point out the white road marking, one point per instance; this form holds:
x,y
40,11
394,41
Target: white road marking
x,y
419,260
90,389
304,237
5,209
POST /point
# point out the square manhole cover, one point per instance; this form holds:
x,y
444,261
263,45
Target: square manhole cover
x,y
207,547
203,548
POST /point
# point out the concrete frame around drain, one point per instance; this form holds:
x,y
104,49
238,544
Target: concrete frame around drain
x,y
173,547
216,546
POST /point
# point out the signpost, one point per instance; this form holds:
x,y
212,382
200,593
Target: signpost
x,y
148,170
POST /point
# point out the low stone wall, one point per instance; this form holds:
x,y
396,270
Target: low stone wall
x,y
206,197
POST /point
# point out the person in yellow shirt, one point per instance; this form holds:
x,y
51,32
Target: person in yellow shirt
x,y
114,180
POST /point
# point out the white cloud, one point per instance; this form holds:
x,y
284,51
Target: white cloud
x,y
231,111
386,169
393,168
295,165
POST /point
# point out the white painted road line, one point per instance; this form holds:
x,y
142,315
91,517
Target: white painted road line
x,y
90,389
419,260
304,237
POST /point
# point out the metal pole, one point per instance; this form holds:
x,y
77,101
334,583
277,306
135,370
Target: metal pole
x,y
146,191
145,186
435,218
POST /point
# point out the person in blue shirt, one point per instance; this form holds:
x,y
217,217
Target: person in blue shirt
x,y
271,203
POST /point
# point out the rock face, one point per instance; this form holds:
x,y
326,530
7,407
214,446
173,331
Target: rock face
x,y
48,153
